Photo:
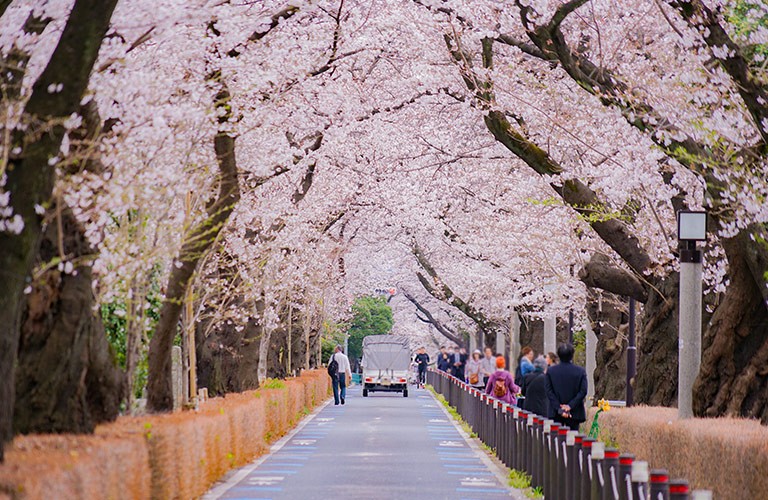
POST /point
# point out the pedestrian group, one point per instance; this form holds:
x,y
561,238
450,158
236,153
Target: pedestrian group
x,y
549,385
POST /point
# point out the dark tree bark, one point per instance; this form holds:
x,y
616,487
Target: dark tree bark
x,y
437,288
31,177
733,379
199,240
439,326
67,379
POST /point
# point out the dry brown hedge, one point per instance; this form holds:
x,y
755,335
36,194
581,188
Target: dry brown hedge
x,y
726,455
178,455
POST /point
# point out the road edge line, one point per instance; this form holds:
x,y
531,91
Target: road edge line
x,y
498,469
235,476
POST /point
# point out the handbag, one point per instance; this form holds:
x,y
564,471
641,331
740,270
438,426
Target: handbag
x,y
473,378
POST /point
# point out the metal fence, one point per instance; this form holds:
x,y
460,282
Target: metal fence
x,y
565,464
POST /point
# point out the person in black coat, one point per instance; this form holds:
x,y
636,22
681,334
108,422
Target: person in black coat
x,y
534,388
443,361
566,386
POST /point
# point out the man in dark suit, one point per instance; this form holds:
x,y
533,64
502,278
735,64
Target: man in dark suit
x,y
566,386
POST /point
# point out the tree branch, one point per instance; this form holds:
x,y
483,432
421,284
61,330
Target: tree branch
x,y
440,327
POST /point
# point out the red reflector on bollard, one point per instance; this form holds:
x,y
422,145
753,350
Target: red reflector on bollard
x,y
625,461
586,444
659,478
679,488
579,439
563,431
612,454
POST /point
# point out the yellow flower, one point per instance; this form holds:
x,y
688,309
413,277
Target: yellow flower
x,y
603,405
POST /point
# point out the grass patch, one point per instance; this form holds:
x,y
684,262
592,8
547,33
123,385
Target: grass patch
x,y
522,481
273,383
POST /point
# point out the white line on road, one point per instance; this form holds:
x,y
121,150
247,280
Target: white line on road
x,y
492,466
231,479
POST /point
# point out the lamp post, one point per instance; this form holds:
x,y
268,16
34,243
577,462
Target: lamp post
x,y
691,227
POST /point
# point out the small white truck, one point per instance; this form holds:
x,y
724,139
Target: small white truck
x,y
386,361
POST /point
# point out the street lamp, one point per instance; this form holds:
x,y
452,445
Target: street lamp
x,y
691,228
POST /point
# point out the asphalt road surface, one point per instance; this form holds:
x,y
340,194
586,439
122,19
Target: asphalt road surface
x,y
384,446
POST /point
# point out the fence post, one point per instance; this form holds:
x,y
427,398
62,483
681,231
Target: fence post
x,y
586,472
596,470
679,489
625,476
535,451
640,480
554,429
545,451
519,440
576,468
611,474
570,462
562,471
659,484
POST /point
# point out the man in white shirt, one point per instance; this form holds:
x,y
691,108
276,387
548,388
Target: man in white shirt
x,y
344,373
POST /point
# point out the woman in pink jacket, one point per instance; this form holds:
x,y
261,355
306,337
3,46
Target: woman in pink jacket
x,y
501,385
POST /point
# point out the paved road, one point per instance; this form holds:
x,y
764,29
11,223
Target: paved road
x,y
380,447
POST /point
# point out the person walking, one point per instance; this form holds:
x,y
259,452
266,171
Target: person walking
x,y
422,361
489,365
500,384
443,361
459,359
343,373
534,388
566,386
474,371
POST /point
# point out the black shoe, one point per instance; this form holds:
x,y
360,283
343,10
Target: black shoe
x,y
342,400
335,404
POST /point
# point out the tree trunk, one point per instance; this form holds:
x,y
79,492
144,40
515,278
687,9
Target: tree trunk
x,y
197,243
67,379
30,177
733,379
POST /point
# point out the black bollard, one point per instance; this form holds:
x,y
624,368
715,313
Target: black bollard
x,y
584,463
679,490
554,429
562,474
639,480
520,439
570,462
546,450
528,442
535,452
659,484
625,476
596,470
575,468
611,474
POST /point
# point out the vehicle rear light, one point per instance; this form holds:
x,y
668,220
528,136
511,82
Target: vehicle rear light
x,y
402,380
368,379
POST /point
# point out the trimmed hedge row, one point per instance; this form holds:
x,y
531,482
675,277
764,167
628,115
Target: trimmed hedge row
x,y
177,455
726,455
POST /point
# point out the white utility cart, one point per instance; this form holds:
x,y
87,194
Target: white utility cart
x,y
386,361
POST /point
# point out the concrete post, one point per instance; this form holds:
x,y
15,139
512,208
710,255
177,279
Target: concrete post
x,y
176,372
550,334
472,343
689,341
591,348
514,342
501,343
